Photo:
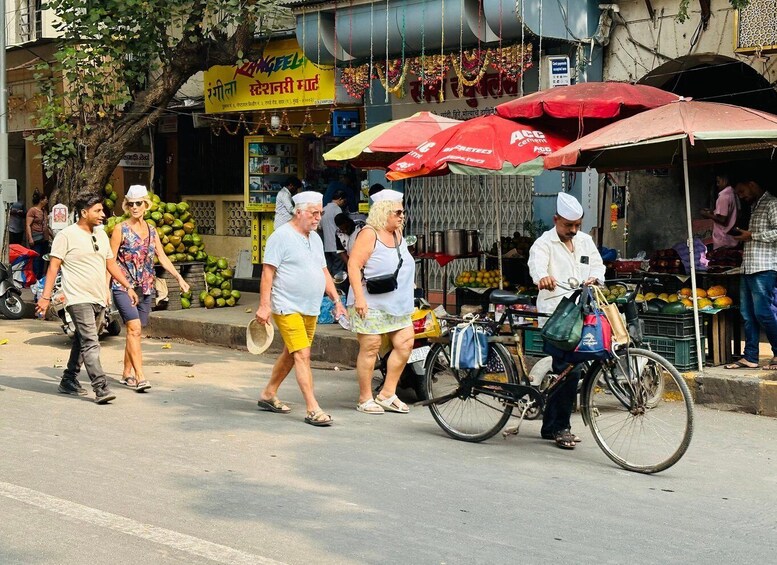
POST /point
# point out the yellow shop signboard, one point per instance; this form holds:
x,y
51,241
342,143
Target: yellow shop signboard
x,y
282,78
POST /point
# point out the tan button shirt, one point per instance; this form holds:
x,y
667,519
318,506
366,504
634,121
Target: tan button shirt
x,y
83,268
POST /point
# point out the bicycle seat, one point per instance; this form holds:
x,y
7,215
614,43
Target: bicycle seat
x,y
507,298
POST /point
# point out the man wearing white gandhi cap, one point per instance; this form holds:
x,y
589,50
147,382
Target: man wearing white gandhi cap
x,y
294,280
559,254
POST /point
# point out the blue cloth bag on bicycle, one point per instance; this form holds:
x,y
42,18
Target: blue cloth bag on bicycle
x,y
469,346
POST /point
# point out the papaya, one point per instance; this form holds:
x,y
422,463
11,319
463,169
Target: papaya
x,y
701,293
687,302
676,307
650,296
716,292
704,303
672,298
685,292
722,302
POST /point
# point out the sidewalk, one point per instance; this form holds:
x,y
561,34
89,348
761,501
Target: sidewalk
x,y
751,391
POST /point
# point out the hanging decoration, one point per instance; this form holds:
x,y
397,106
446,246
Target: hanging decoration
x,y
219,124
512,61
394,77
613,217
470,67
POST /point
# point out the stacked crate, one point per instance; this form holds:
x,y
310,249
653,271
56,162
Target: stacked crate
x,y
193,273
672,336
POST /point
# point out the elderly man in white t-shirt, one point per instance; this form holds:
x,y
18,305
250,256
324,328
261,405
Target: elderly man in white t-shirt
x,y
559,254
294,280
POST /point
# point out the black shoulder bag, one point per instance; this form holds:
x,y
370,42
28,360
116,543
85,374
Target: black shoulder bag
x,y
384,283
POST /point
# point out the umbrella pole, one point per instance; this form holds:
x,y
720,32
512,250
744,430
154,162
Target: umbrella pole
x,y
498,232
692,257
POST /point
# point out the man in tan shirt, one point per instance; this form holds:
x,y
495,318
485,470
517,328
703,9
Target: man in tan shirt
x,y
84,253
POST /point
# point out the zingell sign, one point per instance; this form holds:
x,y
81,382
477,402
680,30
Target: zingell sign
x,y
282,78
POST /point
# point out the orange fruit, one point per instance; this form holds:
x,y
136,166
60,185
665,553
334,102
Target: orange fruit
x,y
716,291
685,292
687,302
701,293
722,302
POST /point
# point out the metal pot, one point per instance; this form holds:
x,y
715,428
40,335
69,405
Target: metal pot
x,y
473,245
420,244
455,242
436,242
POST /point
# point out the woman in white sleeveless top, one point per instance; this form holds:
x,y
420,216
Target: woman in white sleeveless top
x,y
377,252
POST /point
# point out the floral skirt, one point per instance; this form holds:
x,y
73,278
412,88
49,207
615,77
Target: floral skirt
x,y
377,322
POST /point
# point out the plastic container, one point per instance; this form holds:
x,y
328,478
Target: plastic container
x,y
532,341
680,352
669,325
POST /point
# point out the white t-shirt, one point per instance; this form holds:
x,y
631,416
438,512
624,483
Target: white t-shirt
x,y
549,256
83,268
329,228
299,282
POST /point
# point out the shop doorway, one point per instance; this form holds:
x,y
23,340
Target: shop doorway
x,y
714,78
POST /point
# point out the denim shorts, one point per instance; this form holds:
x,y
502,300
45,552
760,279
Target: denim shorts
x,y
128,311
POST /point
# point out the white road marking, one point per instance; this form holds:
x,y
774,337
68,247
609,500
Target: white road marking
x,y
181,542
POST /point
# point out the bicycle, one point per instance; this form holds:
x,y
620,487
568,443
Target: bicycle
x,y
636,403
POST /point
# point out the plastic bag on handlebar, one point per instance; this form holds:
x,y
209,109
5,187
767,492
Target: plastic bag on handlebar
x,y
564,328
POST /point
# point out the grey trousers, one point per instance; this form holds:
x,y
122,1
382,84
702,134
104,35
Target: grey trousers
x,y
86,345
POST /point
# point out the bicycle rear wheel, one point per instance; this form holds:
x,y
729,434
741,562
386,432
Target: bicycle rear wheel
x,y
473,405
647,426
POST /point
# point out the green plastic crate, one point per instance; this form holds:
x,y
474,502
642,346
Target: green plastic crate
x,y
532,341
680,352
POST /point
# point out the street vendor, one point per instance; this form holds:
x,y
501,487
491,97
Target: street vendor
x,y
561,253
724,216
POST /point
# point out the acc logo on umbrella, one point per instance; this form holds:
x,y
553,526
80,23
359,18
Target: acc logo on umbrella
x,y
526,134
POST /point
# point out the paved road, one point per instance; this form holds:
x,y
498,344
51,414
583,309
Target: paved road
x,y
192,473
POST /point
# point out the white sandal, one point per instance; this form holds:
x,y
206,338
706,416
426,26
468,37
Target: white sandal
x,y
392,404
370,407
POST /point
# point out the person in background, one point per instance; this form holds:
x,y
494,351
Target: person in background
x,y
374,189
380,250
724,216
284,206
134,243
16,225
347,230
294,279
329,231
347,184
559,254
759,268
38,232
84,253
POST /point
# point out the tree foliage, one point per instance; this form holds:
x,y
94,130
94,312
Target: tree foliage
x,y
119,64
682,12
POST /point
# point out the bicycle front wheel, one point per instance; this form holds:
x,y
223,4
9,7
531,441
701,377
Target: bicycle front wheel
x,y
647,425
473,405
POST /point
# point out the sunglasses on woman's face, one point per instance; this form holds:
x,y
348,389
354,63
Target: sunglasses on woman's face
x,y
134,204
94,243
399,213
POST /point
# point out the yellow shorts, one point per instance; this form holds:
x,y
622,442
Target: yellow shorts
x,y
297,330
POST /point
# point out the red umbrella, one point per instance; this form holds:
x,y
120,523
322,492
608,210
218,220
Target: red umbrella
x,y
485,145
592,104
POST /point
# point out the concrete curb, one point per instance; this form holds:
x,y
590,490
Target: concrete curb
x,y
735,392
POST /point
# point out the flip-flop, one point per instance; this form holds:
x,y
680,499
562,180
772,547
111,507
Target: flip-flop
x,y
736,365
273,405
130,382
143,386
318,418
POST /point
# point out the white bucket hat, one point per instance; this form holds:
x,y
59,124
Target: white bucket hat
x,y
258,336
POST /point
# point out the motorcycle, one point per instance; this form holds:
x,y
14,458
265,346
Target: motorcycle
x,y
11,303
109,323
425,326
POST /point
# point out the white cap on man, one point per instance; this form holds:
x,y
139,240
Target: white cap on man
x,y
568,207
136,192
388,195
308,197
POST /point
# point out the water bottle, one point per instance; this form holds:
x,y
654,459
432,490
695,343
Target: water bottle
x,y
344,322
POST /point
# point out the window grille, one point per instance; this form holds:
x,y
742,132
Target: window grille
x,y
237,221
204,214
755,27
467,202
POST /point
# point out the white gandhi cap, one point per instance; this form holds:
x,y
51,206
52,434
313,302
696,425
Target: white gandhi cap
x,y
136,192
568,207
308,197
387,195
